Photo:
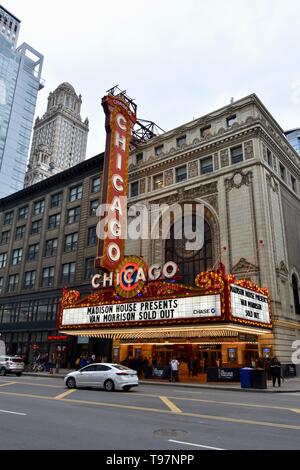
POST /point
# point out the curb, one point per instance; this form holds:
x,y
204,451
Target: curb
x,y
180,385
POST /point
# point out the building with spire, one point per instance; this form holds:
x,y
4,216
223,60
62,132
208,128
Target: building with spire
x,y
59,137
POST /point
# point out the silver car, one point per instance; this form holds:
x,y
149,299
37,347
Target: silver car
x,y
105,375
11,365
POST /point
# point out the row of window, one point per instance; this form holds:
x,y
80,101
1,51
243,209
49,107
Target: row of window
x,y
73,215
51,246
75,193
206,166
29,280
29,311
182,140
282,171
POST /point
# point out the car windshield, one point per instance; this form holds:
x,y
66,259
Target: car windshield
x,y
120,367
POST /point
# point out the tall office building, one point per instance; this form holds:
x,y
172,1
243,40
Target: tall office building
x,y
20,81
59,137
293,136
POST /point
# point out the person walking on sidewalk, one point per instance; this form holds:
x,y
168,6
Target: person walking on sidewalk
x,y
275,371
174,369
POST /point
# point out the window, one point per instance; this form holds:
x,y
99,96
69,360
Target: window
x,y
75,193
92,236
139,158
96,183
231,120
3,259
68,273
158,181
295,287
89,268
181,174
56,200
293,183
48,277
236,155
8,218
33,251
180,141
73,215
206,165
13,282
54,221
158,150
29,280
39,207
36,227
5,237
71,242
93,207
51,247
190,262
17,256
205,131
1,284
269,157
282,171
23,212
134,189
20,231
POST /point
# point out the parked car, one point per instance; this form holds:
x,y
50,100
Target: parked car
x,y
11,365
108,376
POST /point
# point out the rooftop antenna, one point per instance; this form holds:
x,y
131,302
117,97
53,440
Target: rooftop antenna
x,y
231,100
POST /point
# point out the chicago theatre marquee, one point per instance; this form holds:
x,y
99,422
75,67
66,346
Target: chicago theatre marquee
x,y
148,305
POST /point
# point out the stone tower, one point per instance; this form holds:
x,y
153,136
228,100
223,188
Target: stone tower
x,y
59,137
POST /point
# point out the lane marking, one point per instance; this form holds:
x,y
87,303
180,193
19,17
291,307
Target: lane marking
x,y
170,405
7,383
296,410
196,445
13,413
156,410
65,394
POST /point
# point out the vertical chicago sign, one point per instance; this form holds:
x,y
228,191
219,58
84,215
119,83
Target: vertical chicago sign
x,y
120,118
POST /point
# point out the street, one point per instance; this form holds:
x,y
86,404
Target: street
x,y
40,413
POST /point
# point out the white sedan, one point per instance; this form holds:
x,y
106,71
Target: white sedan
x,y
108,376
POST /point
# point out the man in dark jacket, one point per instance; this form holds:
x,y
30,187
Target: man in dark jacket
x,y
275,369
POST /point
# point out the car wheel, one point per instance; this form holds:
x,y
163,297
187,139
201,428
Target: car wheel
x,y
126,388
18,374
109,386
2,371
71,382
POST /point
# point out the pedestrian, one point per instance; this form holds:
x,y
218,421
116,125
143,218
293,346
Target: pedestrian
x,y
275,371
253,363
190,366
174,364
93,358
77,363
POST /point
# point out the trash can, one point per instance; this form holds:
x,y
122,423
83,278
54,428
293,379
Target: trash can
x,y
259,378
246,377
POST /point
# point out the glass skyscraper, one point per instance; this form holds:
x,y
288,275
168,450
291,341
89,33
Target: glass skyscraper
x,y
293,137
20,81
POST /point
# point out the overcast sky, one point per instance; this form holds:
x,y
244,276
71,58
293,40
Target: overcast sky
x,y
179,59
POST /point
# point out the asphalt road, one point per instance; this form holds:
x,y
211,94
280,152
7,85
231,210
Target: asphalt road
x,y
39,413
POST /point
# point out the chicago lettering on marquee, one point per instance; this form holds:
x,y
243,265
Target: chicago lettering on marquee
x,y
120,118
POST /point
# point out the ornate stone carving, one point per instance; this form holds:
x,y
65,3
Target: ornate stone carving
x,y
249,120
169,177
196,141
264,153
282,269
193,169
216,161
249,151
190,194
238,179
224,158
221,131
243,266
212,200
272,183
143,185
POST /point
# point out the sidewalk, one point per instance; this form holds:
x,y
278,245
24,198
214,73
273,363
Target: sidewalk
x,y
291,385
